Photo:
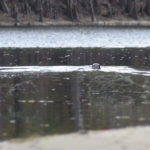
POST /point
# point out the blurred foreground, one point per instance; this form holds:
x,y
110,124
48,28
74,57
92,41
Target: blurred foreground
x,y
137,138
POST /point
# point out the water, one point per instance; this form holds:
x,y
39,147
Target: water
x,y
137,57
53,90
60,69
74,37
54,100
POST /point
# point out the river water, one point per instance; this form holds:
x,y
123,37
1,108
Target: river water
x,y
55,100
53,90
74,37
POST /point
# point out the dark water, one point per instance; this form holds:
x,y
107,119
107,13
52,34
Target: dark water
x,y
137,57
49,103
50,100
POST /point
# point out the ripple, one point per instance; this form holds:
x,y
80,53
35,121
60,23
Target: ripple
x,y
74,37
87,68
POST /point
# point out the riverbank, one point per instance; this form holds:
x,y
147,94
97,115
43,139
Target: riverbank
x,y
133,138
81,12
111,23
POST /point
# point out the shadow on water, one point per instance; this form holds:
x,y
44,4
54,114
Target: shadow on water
x,y
49,103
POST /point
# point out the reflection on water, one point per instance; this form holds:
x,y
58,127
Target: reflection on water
x,y
62,102
75,56
50,91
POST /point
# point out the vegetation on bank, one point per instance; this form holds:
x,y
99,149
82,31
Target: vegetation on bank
x,y
73,10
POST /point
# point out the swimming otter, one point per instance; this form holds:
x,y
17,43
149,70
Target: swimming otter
x,y
96,66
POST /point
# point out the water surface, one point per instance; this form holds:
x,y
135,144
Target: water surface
x,y
53,90
75,37
56,100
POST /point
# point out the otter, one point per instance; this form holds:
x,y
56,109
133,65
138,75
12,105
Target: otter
x,y
96,66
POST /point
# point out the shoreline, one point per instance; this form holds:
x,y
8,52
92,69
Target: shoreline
x,y
80,24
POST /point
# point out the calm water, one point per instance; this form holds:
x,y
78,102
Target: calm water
x,y
75,37
49,102
137,57
52,90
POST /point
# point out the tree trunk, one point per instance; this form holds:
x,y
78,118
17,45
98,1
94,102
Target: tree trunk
x,y
148,7
47,8
114,6
41,11
72,9
14,11
129,3
4,6
25,8
76,16
108,7
131,9
92,12
123,4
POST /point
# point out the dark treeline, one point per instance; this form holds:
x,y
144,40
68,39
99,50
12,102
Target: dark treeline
x,y
74,10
